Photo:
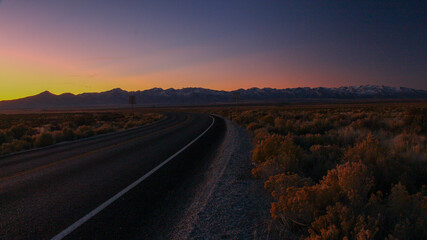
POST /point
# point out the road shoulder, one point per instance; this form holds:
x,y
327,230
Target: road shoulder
x,y
229,203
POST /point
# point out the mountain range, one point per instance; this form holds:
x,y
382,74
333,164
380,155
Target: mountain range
x,y
197,96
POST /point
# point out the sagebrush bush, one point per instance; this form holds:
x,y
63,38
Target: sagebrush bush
x,y
44,139
105,128
343,172
21,131
3,137
85,131
68,134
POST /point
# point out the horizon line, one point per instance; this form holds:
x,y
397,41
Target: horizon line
x,y
101,91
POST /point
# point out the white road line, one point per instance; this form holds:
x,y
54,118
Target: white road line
x,y
101,207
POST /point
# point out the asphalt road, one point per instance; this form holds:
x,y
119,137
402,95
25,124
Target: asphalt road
x,y
44,192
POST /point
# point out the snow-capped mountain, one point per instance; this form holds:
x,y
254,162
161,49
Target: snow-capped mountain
x,y
196,96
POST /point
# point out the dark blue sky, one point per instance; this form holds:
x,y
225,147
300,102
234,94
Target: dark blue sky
x,y
95,45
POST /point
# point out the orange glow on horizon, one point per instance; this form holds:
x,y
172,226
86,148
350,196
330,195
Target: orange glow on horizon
x,y
91,46
30,75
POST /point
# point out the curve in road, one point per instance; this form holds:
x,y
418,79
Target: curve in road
x,y
45,191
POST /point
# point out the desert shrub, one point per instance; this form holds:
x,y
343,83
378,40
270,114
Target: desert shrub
x,y
260,135
14,146
416,119
356,182
19,130
341,222
281,125
308,140
130,124
348,135
57,136
267,148
84,131
3,137
407,214
269,167
291,156
408,146
334,202
277,154
247,117
368,150
354,172
68,134
278,184
267,120
105,128
44,139
69,124
253,126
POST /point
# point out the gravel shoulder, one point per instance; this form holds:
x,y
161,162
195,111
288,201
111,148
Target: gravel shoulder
x,y
228,202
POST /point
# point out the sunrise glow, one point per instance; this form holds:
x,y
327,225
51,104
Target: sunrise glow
x,y
78,46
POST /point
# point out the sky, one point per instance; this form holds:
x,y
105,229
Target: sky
x,y
90,46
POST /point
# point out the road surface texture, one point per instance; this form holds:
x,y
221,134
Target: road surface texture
x,y
45,191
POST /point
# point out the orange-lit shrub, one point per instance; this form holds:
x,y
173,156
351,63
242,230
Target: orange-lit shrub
x,y
267,148
260,135
253,126
267,120
278,184
341,222
356,181
354,172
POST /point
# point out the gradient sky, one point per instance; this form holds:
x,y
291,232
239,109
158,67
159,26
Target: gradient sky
x,y
83,46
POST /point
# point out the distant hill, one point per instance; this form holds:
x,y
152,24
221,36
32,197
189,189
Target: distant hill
x,y
196,96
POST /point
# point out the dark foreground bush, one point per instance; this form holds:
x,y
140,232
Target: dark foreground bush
x,y
43,140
